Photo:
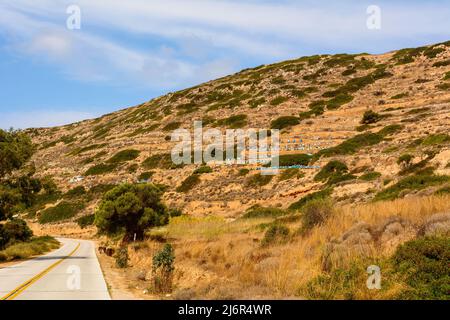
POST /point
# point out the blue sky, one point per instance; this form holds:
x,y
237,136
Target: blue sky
x,y
128,52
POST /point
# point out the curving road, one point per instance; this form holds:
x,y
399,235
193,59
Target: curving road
x,y
70,273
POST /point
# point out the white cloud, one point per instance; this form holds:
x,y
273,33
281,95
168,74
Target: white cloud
x,y
202,39
38,119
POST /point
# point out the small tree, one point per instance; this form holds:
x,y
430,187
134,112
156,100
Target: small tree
x,y
13,231
162,270
122,257
131,209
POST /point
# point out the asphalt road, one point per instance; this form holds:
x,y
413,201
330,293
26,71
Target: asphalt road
x,y
70,273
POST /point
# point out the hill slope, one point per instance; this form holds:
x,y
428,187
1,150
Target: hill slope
x,y
324,98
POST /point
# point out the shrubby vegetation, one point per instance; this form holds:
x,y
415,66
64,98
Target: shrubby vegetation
x,y
258,211
189,183
62,211
370,117
275,234
124,156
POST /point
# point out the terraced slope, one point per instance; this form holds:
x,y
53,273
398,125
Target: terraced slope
x,y
320,99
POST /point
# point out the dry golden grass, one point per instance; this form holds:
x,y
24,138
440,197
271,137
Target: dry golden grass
x,y
216,258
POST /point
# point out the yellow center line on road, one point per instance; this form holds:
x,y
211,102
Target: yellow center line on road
x,y
13,294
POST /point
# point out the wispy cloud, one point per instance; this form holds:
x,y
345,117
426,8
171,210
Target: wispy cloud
x,y
173,43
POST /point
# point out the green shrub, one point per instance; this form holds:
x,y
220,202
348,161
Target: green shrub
x,y
300,159
259,180
13,231
287,174
86,149
86,221
331,169
447,76
75,192
159,161
163,268
424,263
101,189
338,101
298,205
172,126
284,122
122,257
124,156
233,122
146,175
442,63
277,233
278,100
370,117
203,169
443,190
189,183
62,211
415,182
370,176
363,127
436,139
100,169
358,142
390,129
243,172
399,96
315,213
257,211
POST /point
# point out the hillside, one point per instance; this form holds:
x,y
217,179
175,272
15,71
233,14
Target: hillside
x,y
324,99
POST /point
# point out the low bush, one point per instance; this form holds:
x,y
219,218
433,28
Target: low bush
x,y
284,122
370,117
298,205
146,175
124,156
259,180
189,183
233,122
424,264
162,269
171,126
122,257
315,213
278,100
436,139
258,211
100,169
75,192
287,174
243,172
203,169
331,169
399,96
13,231
275,234
370,176
415,182
86,221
